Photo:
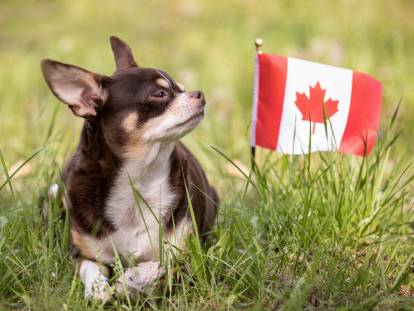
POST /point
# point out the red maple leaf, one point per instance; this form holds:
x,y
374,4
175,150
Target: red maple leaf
x,y
315,109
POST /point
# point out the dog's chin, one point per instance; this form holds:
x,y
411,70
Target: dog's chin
x,y
181,129
191,122
174,130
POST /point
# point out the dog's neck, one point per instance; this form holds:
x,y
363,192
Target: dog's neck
x,y
146,159
150,158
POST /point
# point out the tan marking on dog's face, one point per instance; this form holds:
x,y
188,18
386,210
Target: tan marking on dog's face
x,y
133,147
130,122
163,83
180,87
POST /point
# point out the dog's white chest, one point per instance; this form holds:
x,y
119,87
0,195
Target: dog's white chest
x,y
137,206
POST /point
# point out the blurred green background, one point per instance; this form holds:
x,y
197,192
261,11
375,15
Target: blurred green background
x,y
206,45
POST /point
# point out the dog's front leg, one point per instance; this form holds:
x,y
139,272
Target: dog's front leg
x,y
138,279
94,277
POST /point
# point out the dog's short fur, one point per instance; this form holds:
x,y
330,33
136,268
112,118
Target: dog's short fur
x,y
130,173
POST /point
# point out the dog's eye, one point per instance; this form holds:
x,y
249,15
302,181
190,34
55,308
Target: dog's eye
x,y
160,94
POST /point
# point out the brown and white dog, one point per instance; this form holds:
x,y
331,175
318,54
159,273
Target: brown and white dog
x,y
130,174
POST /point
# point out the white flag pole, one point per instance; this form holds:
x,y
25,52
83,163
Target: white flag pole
x,y
258,44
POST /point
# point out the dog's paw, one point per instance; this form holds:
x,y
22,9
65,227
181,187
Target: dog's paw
x,y
139,279
98,290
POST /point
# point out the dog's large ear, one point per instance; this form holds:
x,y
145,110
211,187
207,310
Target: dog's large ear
x,y
122,54
81,90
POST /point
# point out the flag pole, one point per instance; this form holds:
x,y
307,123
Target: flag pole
x,y
258,44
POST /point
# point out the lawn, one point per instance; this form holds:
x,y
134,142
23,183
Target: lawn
x,y
324,231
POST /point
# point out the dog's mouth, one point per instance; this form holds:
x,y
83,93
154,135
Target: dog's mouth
x,y
193,119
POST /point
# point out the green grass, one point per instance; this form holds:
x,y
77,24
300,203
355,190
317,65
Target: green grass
x,y
325,231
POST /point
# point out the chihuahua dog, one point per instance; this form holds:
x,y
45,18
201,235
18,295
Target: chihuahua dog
x,y
131,184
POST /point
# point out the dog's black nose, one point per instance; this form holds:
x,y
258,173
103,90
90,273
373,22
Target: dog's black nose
x,y
197,95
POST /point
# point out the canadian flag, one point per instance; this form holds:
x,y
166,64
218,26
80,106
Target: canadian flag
x,y
301,106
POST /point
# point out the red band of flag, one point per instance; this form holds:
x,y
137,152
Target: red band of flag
x,y
364,115
270,83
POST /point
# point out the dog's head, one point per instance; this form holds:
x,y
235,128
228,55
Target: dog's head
x,y
133,106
